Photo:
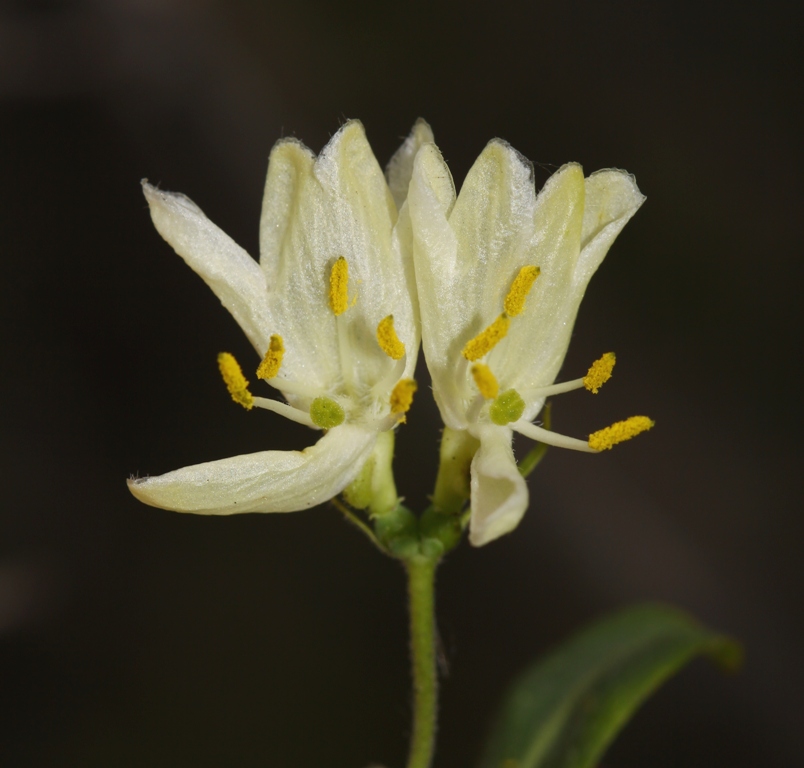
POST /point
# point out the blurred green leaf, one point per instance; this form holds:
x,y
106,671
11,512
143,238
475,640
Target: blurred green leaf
x,y
566,709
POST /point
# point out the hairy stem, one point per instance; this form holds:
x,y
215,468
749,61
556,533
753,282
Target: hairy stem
x,y
421,591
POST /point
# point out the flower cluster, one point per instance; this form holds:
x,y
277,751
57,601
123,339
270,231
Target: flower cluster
x,y
355,267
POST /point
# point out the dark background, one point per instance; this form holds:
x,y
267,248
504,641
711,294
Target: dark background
x,y
136,637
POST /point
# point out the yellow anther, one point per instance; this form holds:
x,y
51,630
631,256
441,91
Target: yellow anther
x,y
235,380
619,432
388,340
485,341
272,361
485,381
402,397
339,286
599,372
520,288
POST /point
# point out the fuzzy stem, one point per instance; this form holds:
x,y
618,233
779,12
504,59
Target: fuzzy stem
x,y
421,591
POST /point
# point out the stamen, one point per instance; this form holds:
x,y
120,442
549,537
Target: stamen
x,y
485,381
388,340
599,373
485,341
235,380
402,397
475,406
272,361
283,409
539,393
619,432
339,286
523,282
508,407
548,437
326,413
381,389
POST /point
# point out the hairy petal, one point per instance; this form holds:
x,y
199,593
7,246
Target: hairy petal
x,y
315,211
539,337
435,254
499,495
400,167
235,278
606,201
612,198
270,481
493,221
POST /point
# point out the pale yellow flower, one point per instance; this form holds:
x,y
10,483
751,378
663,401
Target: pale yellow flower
x,y
330,309
500,273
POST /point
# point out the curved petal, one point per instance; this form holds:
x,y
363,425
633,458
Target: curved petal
x,y
403,243
467,254
537,341
290,166
612,198
499,492
494,223
314,212
465,269
435,255
400,166
234,277
270,481
609,199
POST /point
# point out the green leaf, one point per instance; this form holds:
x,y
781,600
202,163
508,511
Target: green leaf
x,y
566,709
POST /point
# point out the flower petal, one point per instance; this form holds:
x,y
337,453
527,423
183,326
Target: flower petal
x,y
314,212
498,225
499,492
493,221
400,167
608,200
435,253
225,267
612,198
270,481
537,341
465,266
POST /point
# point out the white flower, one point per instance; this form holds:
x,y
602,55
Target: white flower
x,y
330,309
501,273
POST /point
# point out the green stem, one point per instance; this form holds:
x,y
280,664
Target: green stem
x,y
421,591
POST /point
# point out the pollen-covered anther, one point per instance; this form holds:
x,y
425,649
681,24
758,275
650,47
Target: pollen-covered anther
x,y
402,397
520,288
388,340
599,372
235,380
326,413
272,362
486,340
619,432
339,287
485,381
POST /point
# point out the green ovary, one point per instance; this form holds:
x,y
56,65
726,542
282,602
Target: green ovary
x,y
326,413
506,408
